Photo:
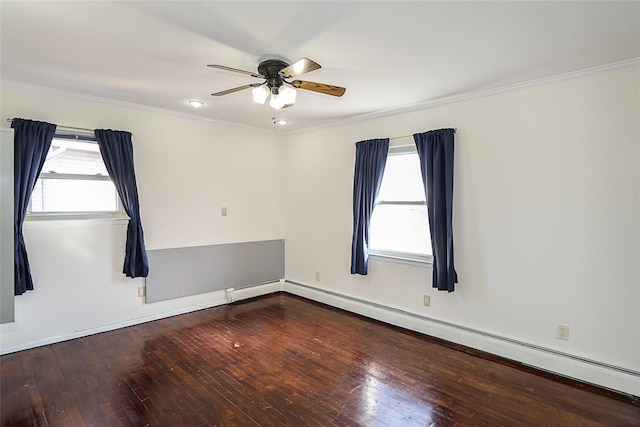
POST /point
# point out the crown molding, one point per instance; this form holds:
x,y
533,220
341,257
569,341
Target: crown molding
x,y
423,105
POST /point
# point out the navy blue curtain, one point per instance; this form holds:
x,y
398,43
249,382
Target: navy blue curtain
x,y
31,142
435,150
117,151
371,157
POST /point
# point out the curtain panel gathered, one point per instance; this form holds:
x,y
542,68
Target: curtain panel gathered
x,y
435,150
117,152
371,157
31,140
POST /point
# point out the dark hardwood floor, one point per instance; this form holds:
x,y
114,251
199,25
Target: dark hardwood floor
x,y
284,361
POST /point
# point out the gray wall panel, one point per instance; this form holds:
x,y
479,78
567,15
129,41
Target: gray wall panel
x,y
178,272
6,227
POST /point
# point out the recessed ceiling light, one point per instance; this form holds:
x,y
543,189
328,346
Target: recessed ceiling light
x,y
281,122
196,104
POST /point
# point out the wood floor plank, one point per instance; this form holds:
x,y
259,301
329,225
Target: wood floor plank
x,y
280,360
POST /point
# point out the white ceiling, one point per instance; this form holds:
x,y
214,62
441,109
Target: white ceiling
x,y
389,55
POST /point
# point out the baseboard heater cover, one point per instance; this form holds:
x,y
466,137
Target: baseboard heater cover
x,y
252,291
616,378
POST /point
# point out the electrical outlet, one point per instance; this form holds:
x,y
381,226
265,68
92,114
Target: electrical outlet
x,y
427,301
317,276
562,332
141,291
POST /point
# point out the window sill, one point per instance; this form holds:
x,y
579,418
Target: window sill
x,y
76,217
72,220
406,259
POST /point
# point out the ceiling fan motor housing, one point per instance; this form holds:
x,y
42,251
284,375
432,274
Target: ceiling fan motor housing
x,y
270,69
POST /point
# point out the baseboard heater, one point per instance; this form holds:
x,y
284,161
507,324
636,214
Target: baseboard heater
x,y
179,272
616,378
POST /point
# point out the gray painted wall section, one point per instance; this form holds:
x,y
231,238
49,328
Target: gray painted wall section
x,y
6,227
178,272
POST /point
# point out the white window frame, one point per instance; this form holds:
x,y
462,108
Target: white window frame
x,y
402,256
119,213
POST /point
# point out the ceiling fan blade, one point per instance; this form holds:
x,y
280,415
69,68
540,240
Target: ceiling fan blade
x,y
319,87
301,66
235,89
235,70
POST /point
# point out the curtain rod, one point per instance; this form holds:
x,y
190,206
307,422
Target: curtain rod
x,y
91,130
410,136
63,126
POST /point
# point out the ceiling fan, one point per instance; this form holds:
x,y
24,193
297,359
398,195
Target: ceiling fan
x,y
276,74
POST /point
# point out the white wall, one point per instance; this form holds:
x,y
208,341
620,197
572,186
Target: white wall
x,y
546,215
186,170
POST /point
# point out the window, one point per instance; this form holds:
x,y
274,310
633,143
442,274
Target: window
x,y
74,182
399,224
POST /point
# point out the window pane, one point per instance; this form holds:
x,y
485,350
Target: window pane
x,y
74,179
74,157
400,228
73,195
402,179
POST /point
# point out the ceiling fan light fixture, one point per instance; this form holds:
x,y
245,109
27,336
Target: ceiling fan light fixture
x,y
288,94
277,101
282,96
260,94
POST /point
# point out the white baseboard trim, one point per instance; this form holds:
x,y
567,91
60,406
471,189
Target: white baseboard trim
x,y
229,295
92,331
603,375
